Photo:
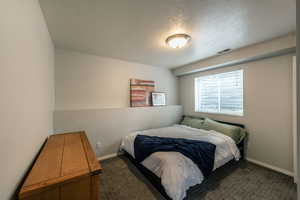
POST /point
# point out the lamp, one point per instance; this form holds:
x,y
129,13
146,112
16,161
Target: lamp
x,y
178,40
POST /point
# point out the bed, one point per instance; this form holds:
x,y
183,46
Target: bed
x,y
173,173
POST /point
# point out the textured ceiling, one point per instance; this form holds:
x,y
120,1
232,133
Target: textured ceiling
x,y
135,30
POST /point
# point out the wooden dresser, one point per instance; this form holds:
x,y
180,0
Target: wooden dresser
x,y
66,169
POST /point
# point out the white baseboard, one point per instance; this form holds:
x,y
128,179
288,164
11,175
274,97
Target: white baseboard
x,y
108,156
277,169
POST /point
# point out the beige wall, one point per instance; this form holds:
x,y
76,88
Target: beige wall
x,y
267,107
109,126
86,82
27,89
92,94
298,93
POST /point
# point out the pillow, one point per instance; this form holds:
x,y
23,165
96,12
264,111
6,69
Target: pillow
x,y
243,134
192,122
232,131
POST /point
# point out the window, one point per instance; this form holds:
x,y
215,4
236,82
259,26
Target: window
x,y
220,93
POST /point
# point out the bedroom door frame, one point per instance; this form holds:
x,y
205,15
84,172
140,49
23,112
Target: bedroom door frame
x,y
294,112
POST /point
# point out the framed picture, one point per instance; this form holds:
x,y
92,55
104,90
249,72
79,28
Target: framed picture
x,y
158,98
140,92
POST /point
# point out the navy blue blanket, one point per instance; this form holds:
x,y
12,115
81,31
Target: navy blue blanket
x,y
201,153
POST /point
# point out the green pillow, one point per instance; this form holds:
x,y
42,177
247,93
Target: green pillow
x,y
192,122
232,131
243,134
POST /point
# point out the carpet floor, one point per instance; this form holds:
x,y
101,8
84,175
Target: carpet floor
x,y
120,180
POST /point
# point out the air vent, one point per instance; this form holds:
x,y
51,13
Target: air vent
x,y
224,51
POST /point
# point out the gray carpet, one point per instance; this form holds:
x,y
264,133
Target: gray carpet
x,y
120,180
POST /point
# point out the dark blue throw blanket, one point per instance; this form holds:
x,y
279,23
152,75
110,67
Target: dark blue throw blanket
x,y
201,153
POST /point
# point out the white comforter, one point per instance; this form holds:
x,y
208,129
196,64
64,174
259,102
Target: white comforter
x,y
176,171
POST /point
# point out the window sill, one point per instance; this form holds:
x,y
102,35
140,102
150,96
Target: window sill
x,y
217,113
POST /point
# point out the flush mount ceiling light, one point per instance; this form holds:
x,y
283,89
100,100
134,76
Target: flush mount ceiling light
x,y
178,40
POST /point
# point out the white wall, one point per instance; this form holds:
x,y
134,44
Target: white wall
x,y
266,47
267,107
27,89
85,81
92,94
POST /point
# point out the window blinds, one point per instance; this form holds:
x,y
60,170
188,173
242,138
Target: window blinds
x,y
220,93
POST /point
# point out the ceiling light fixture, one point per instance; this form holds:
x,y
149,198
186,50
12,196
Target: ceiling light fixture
x,y
178,40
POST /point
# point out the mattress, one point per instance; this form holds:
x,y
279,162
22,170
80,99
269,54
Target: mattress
x,y
177,172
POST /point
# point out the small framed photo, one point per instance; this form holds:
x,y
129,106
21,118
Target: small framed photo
x,y
158,98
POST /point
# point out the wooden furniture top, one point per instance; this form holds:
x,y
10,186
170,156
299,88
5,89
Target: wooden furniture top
x,y
64,158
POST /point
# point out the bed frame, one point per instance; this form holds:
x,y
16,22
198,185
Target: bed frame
x,y
156,181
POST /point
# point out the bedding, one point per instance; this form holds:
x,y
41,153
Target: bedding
x,y
201,153
193,122
235,132
178,172
231,131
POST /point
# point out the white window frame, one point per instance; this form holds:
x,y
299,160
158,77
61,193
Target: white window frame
x,y
219,113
